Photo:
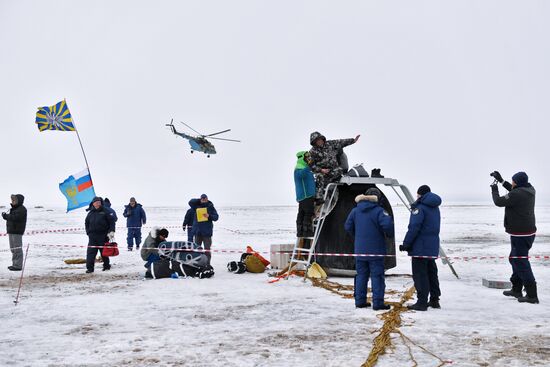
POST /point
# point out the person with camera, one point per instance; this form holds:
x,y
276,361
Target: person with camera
x,y
519,223
422,244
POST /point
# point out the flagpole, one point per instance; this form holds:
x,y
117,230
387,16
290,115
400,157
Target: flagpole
x,y
83,152
82,148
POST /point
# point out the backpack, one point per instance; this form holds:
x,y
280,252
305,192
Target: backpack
x,y
358,171
254,265
237,267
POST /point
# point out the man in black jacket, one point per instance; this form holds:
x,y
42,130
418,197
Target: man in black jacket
x,y
100,228
16,221
519,222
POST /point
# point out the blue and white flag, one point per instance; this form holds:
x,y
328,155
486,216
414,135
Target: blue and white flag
x,y
78,189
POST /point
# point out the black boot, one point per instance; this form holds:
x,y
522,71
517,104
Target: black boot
x,y
434,303
365,305
531,290
418,307
376,173
517,286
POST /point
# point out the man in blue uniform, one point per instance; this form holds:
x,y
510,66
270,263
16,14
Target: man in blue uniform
x,y
369,223
135,218
422,243
203,222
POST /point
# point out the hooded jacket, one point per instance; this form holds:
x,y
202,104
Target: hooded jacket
x,y
519,212
107,205
206,228
369,223
422,238
303,179
135,217
16,218
150,244
99,222
326,156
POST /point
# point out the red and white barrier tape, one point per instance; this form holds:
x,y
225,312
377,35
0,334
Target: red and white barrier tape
x,y
77,229
327,254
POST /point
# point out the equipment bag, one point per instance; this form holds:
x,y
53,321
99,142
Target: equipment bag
x,y
165,268
254,264
110,249
237,267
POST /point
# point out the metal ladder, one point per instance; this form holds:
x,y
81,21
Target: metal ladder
x,y
298,252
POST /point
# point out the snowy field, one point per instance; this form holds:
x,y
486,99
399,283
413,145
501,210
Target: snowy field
x,y
115,318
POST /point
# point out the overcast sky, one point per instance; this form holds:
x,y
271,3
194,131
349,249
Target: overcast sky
x,y
442,93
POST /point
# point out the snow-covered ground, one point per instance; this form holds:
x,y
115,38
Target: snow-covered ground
x,y
68,318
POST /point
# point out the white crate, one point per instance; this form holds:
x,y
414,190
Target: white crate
x,y
278,260
498,284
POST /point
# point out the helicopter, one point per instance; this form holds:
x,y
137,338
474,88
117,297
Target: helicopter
x,y
200,143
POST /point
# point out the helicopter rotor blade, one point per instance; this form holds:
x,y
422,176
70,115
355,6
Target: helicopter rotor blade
x,y
236,141
171,125
218,133
181,122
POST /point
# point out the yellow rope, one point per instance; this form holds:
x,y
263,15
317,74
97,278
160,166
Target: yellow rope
x,y
407,339
392,320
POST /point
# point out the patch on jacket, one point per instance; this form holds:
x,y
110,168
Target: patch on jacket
x,y
415,211
386,213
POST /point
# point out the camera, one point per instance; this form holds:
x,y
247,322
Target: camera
x,y
497,176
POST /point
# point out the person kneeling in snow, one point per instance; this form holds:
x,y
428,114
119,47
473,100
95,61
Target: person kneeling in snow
x,y
149,250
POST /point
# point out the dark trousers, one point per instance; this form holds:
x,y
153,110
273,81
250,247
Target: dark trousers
x,y
521,268
190,234
206,243
425,279
370,268
91,252
133,233
304,220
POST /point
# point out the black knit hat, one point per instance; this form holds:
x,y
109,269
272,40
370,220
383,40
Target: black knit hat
x,y
423,190
521,179
163,232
